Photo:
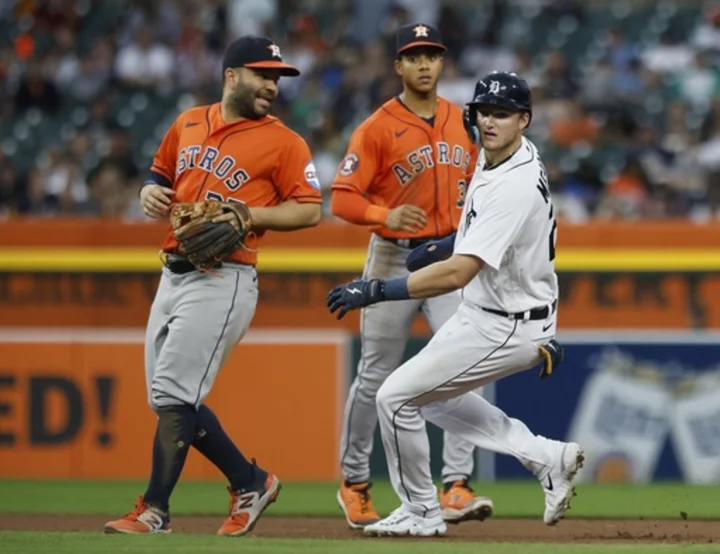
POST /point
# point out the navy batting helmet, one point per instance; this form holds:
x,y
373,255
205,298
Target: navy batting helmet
x,y
503,90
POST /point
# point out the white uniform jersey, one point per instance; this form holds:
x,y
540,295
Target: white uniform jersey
x,y
508,222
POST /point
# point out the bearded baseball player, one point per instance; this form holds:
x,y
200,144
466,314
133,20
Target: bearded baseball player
x,y
404,175
224,174
502,260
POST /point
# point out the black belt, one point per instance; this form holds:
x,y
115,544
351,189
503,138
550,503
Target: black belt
x,y
411,243
180,264
528,315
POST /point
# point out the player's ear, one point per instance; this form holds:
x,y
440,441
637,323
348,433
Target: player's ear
x,y
398,67
230,77
524,120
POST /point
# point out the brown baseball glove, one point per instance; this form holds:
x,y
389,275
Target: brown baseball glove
x,y
206,243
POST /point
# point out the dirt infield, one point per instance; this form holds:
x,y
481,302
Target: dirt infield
x,y
494,530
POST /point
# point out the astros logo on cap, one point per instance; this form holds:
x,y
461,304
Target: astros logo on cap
x,y
420,31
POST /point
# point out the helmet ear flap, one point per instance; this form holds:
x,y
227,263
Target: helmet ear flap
x,y
470,123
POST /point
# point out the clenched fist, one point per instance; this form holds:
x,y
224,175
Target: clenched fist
x,y
407,217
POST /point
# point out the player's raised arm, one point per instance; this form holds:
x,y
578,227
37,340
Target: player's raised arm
x,y
297,184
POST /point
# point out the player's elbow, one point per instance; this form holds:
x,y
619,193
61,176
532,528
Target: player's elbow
x,y
312,214
337,205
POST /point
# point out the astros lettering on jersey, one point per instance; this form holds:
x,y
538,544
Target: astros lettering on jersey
x,y
261,162
396,158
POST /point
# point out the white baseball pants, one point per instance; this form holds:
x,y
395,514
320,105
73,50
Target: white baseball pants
x,y
472,349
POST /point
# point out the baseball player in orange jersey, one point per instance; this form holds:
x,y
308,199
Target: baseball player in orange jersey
x,y
405,174
232,150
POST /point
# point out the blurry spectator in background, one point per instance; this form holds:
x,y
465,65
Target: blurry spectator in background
x,y
707,34
118,153
251,17
574,125
655,103
697,83
200,65
670,54
558,81
524,66
427,11
303,49
598,86
100,121
708,155
628,85
565,8
109,196
655,94
64,62
93,74
309,107
145,63
57,183
626,195
11,189
487,54
453,30
162,16
621,52
454,86
51,14
327,152
37,91
677,137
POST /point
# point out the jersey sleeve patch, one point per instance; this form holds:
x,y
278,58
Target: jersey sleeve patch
x,y
349,164
311,175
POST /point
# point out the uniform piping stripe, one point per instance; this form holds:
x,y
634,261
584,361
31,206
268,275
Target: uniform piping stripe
x,y
222,334
396,412
361,370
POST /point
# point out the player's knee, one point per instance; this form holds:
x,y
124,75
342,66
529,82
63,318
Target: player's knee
x,y
159,399
387,397
367,387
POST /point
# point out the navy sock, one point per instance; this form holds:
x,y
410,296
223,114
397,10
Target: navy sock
x,y
212,441
173,437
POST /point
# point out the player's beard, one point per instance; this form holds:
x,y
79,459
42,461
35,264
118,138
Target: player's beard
x,y
242,103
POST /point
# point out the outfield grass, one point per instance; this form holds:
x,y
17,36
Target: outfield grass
x,y
512,499
92,543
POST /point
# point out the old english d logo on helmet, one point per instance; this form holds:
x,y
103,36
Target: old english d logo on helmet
x,y
503,90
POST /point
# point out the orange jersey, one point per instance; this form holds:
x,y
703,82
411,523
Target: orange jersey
x,y
396,157
260,162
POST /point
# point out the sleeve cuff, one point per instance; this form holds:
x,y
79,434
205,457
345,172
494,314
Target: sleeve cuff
x,y
376,214
157,178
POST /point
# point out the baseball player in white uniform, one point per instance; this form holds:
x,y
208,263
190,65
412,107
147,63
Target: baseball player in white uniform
x,y
403,214
502,259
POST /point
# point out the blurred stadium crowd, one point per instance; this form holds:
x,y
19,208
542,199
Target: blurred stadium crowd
x,y
626,92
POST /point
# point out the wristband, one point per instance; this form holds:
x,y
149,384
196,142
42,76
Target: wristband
x,y
396,289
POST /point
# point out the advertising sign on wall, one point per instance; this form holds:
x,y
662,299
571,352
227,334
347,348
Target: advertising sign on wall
x,y
644,406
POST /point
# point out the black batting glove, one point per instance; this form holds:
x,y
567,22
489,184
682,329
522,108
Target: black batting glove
x,y
354,295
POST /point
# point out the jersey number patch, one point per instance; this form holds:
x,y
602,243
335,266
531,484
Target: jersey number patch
x,y
544,189
553,237
210,195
